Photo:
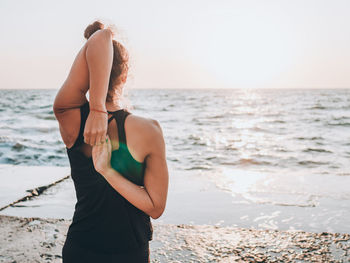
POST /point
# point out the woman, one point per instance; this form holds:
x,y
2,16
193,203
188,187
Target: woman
x,y
118,166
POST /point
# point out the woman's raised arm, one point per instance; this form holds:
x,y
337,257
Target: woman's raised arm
x,y
99,58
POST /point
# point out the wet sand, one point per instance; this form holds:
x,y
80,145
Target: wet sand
x,y
193,199
197,226
41,240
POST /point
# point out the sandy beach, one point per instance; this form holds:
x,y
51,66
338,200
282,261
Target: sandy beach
x,y
41,240
36,214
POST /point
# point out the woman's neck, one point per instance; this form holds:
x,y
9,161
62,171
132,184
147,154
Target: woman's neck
x,y
113,106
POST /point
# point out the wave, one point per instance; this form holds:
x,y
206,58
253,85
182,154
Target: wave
x,y
346,124
318,107
258,129
317,150
278,121
45,107
45,129
310,138
309,162
247,161
45,117
216,116
343,174
4,139
340,118
199,167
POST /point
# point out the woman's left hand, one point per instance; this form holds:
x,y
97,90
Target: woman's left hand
x,y
101,156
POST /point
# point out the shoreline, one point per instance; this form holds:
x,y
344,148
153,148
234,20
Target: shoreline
x,y
37,191
193,199
34,239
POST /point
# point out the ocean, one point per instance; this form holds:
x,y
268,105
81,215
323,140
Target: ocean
x,y
281,147
280,130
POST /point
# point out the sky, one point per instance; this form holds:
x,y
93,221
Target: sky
x,y
183,43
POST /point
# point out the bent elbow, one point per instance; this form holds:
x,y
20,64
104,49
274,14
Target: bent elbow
x,y
157,213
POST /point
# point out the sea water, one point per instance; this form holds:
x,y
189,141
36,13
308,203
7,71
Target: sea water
x,y
284,150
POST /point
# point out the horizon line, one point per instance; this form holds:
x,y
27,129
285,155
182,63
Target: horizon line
x,y
235,88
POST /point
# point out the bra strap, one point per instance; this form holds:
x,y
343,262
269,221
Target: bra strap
x,y
120,117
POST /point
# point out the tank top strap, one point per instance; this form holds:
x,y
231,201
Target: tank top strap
x,y
120,117
111,118
84,113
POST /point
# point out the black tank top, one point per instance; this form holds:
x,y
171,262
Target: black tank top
x,y
103,220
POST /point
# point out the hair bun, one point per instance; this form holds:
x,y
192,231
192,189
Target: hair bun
x,y
92,28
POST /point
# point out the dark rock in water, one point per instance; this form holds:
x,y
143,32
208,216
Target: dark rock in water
x,y
39,190
18,147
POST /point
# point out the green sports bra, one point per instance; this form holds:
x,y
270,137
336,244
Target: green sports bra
x,y
121,159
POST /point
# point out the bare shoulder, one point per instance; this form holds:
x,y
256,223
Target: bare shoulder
x,y
149,131
148,126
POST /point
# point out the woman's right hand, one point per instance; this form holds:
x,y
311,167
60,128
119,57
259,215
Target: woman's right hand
x,y
101,156
96,128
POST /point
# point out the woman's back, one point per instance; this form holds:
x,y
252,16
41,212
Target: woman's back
x,y
138,132
129,161
103,219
